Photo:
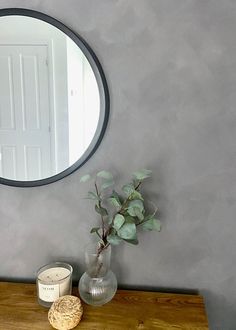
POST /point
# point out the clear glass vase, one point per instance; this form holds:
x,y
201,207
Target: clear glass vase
x,y
98,284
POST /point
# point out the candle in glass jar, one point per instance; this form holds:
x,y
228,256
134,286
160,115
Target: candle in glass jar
x,y
53,281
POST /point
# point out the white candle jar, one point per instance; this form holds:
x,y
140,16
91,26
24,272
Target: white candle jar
x,y
53,281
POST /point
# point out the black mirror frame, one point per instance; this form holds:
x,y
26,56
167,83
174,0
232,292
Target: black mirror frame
x,y
102,86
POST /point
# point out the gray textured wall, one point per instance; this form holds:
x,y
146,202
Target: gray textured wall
x,y
171,70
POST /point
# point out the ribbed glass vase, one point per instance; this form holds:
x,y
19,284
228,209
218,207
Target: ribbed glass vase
x,y
98,284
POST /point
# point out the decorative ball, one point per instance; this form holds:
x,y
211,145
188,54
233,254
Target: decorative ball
x,y
65,313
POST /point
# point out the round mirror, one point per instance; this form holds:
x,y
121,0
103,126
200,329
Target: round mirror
x,y
54,100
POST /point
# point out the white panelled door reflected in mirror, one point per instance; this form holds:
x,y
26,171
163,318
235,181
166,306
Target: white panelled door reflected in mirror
x,y
50,104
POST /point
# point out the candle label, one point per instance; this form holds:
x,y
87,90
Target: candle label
x,y
48,293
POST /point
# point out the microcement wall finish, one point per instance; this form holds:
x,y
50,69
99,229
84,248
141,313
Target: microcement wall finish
x,y
171,71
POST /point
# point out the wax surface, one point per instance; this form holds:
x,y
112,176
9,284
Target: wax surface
x,y
54,274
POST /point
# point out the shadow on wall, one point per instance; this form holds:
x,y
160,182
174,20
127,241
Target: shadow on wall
x,y
160,289
219,308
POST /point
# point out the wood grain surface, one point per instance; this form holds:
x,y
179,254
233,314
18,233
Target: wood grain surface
x,y
19,310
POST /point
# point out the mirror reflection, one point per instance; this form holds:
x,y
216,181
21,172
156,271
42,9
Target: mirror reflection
x,y
49,100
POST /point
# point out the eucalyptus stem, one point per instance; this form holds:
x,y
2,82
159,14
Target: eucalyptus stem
x,y
99,265
100,205
138,185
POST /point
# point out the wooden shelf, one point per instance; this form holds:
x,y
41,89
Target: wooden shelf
x,y
141,310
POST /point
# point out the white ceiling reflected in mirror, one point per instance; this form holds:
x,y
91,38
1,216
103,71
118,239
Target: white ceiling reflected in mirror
x,y
53,99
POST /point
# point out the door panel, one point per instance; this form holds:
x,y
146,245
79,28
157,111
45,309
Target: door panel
x,y
33,161
7,118
25,111
30,92
8,156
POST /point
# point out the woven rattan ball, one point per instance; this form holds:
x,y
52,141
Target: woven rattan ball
x,y
65,313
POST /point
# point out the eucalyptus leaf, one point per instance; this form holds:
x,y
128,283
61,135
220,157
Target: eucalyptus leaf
x,y
136,195
105,175
95,230
136,203
152,224
142,174
114,202
128,189
150,216
85,178
101,210
132,241
136,208
135,212
114,239
118,221
107,184
129,219
116,196
127,231
93,196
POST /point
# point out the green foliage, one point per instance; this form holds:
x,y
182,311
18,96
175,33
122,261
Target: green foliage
x,y
101,210
132,241
96,230
115,200
136,195
113,239
127,231
107,179
118,221
142,174
121,215
136,209
152,224
128,189
107,184
93,196
105,175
